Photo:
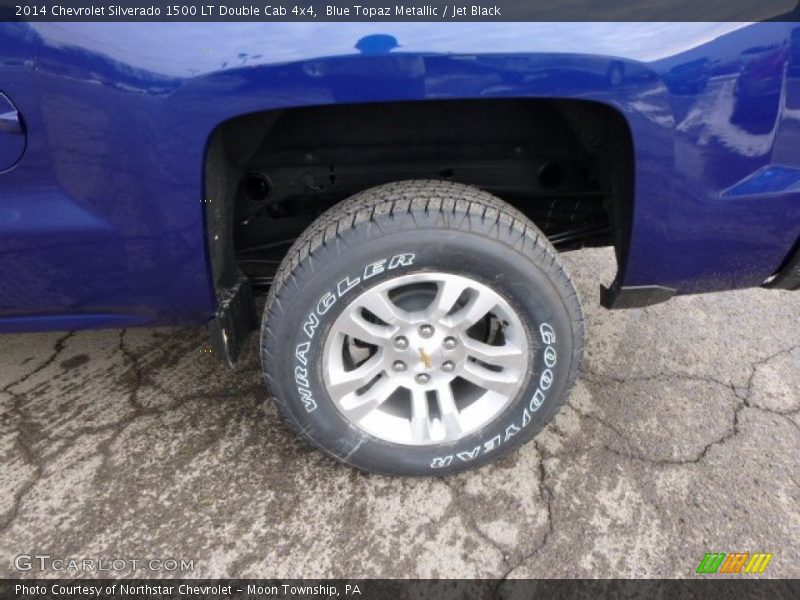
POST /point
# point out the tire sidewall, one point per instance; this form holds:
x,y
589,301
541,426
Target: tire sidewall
x,y
321,287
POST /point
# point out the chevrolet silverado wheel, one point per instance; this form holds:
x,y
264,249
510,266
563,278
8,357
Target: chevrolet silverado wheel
x,y
421,328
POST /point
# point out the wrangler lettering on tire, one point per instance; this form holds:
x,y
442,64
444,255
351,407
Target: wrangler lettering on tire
x,y
421,328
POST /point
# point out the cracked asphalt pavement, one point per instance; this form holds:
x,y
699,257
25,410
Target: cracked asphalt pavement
x,y
681,437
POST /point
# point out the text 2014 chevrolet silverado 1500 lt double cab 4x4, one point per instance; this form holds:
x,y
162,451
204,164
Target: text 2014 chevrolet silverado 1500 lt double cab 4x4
x,y
401,192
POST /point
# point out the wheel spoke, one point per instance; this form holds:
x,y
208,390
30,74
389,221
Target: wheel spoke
x,y
379,304
479,304
420,418
449,292
507,356
345,382
502,382
451,419
356,326
358,406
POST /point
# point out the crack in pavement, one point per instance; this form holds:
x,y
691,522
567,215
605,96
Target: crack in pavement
x,y
756,365
30,434
469,520
58,347
139,410
133,396
595,377
26,430
733,430
548,494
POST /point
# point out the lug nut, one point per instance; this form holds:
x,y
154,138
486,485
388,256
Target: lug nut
x,y
399,365
423,378
426,331
449,342
401,342
448,366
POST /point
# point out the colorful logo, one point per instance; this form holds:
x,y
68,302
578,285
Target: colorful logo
x,y
734,562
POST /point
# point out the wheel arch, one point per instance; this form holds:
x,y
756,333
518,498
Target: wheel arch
x,y
582,81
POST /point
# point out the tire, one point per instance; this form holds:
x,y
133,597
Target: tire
x,y
409,242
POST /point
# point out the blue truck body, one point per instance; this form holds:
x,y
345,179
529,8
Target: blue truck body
x,y
106,127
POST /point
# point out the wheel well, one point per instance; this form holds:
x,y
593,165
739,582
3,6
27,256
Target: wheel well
x,y
566,164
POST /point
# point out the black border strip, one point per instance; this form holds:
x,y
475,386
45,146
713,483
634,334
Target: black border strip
x,y
708,587
397,10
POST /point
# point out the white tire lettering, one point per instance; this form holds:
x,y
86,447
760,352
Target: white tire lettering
x,y
325,303
491,444
441,461
548,334
536,401
311,324
305,397
526,417
471,455
345,285
401,260
301,351
373,269
546,380
511,431
550,357
301,376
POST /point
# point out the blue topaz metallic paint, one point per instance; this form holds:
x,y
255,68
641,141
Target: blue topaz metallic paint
x,y
101,220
